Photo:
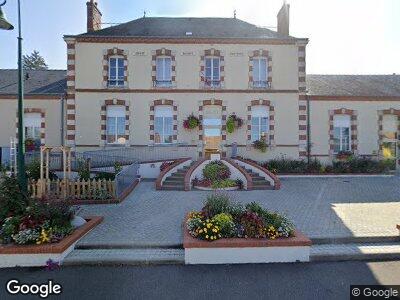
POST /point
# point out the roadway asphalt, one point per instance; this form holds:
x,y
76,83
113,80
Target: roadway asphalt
x,y
273,281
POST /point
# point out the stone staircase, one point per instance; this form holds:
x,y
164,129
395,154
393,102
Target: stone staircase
x,y
176,181
259,183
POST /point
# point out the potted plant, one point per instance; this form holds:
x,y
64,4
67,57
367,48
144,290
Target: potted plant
x,y
191,122
30,145
233,122
344,155
260,145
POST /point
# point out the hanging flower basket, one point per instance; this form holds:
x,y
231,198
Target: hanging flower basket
x,y
191,122
30,145
260,145
233,122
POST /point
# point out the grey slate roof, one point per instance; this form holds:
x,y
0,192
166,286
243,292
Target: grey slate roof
x,y
354,85
177,28
38,82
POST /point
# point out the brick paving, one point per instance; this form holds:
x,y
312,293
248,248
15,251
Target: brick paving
x,y
320,207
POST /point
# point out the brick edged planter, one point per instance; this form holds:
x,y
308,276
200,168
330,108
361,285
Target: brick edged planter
x,y
188,183
244,251
243,171
37,255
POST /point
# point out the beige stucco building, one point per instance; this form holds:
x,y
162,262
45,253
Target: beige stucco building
x,y
133,86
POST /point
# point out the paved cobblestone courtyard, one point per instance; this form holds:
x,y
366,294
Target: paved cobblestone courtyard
x,y
320,207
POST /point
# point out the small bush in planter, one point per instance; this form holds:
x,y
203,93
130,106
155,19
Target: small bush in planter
x,y
260,145
191,122
216,170
225,183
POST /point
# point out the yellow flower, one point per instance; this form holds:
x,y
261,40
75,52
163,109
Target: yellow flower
x,y
201,231
205,229
206,236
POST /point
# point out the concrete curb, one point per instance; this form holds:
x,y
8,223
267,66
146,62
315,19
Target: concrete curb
x,y
346,252
125,257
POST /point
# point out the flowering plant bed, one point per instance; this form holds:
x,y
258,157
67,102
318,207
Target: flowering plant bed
x,y
216,176
35,255
224,232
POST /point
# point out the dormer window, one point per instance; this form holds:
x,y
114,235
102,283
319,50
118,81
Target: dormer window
x,y
212,72
116,76
260,72
164,72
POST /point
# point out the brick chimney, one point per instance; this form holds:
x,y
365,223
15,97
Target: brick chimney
x,y
283,19
93,16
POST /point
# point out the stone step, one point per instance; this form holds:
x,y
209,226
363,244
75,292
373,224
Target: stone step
x,y
258,179
172,188
173,183
365,251
173,178
261,182
125,257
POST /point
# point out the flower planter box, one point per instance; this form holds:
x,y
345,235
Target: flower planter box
x,y
37,255
244,251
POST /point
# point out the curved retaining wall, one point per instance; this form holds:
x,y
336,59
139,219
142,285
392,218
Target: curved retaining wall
x,y
261,171
180,163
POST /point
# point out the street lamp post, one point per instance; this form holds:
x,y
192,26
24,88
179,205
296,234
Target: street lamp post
x,y
4,24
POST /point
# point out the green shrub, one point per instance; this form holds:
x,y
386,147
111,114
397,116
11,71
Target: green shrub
x,y
9,228
216,170
104,175
226,183
33,171
83,170
216,204
226,224
13,200
117,168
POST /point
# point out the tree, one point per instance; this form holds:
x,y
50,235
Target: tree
x,y
34,61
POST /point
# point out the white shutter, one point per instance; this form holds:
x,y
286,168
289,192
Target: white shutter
x,y
32,120
341,121
116,111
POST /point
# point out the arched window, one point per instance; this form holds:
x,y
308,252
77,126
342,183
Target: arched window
x,y
341,133
116,76
116,117
259,122
163,124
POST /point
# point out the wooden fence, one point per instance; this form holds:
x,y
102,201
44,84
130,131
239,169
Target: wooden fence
x,y
69,189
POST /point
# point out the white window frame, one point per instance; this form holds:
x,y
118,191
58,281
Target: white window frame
x,y
259,112
342,122
260,82
33,125
164,81
119,78
212,82
166,113
116,112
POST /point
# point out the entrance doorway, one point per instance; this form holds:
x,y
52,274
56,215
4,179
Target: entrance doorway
x,y
212,124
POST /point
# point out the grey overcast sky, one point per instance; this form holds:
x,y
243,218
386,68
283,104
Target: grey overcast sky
x,y
346,36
